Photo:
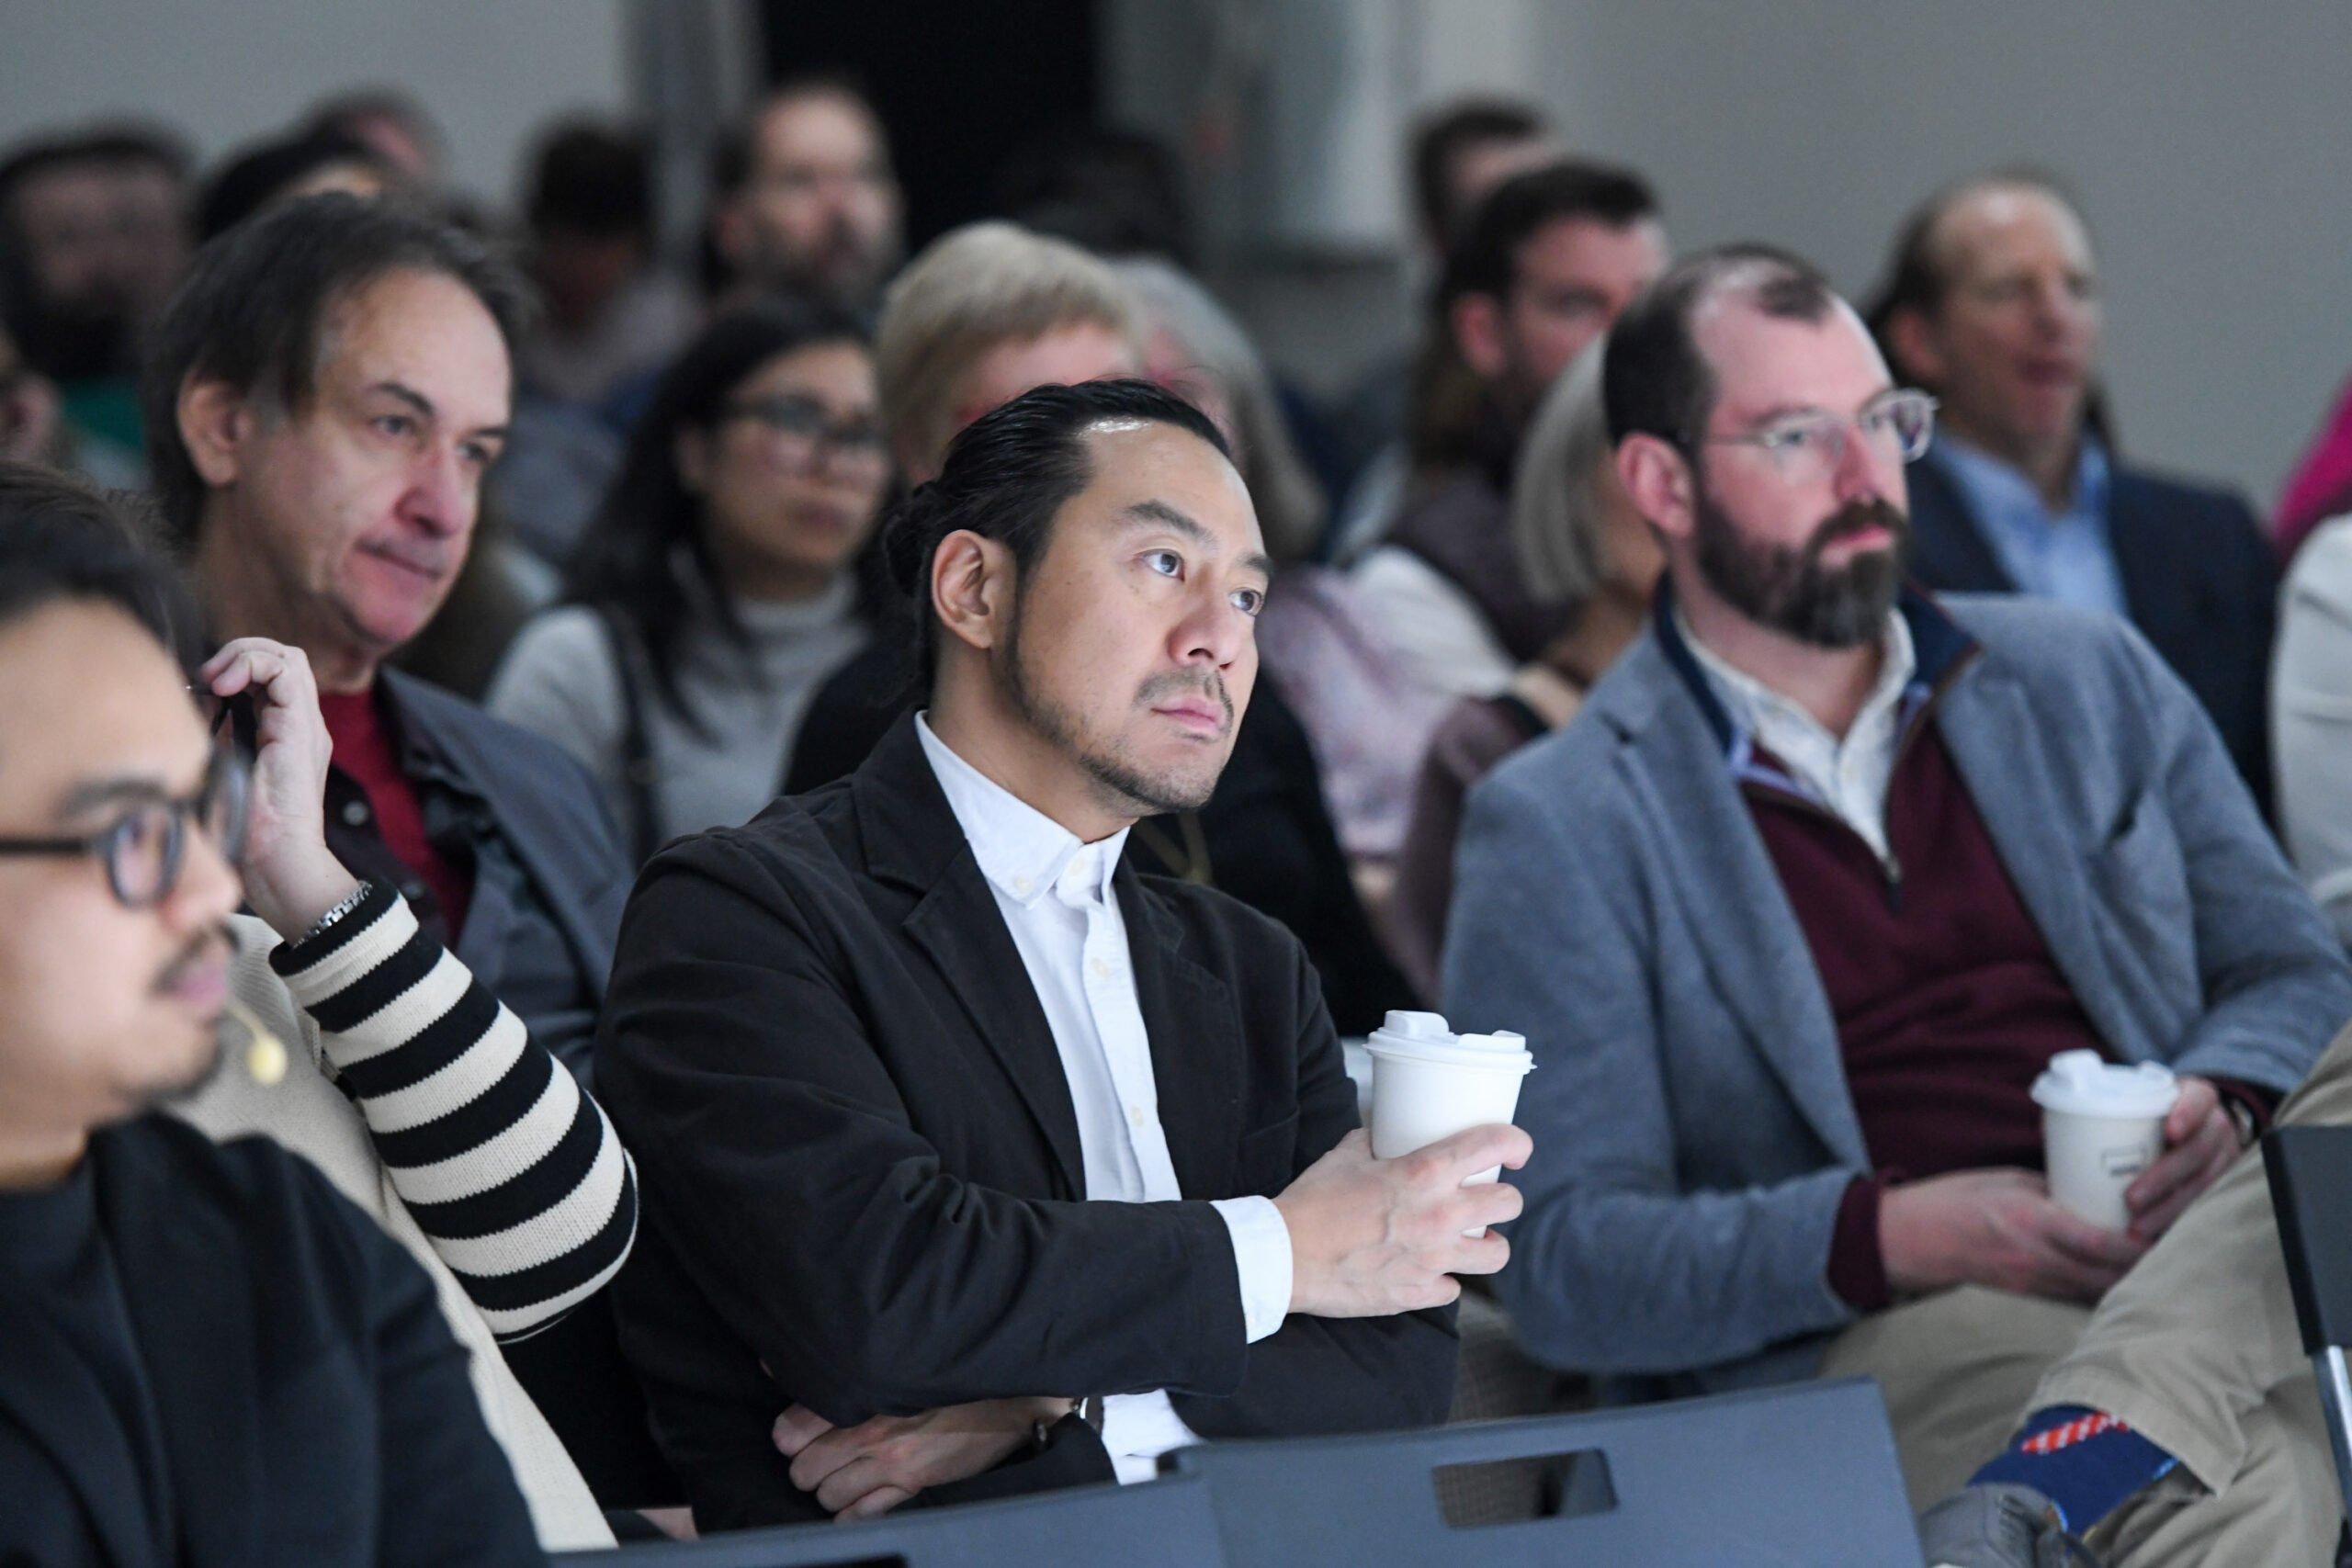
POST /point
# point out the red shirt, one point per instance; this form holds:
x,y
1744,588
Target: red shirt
x,y
367,751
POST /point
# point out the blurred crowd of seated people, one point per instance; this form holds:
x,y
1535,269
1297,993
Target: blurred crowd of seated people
x,y
741,893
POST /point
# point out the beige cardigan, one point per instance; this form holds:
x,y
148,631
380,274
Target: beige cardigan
x,y
305,1112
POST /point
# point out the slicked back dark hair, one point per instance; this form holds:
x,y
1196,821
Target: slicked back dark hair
x,y
253,311
1484,258
1009,473
60,537
1444,137
1654,379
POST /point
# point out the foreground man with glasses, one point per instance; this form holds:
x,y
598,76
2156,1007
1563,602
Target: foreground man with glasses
x,y
207,1357
1815,886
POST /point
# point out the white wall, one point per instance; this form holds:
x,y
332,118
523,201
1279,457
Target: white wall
x,y
222,71
2210,143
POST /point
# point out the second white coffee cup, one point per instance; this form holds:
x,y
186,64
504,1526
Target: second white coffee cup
x,y
2102,1124
1430,1083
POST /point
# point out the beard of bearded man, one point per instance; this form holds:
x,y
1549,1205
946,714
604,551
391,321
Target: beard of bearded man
x,y
1790,589
843,269
1114,772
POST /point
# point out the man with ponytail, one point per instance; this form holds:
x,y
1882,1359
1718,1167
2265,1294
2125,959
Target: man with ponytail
x,y
989,1163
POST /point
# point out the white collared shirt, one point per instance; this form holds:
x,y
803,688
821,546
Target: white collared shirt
x,y
1849,776
1055,893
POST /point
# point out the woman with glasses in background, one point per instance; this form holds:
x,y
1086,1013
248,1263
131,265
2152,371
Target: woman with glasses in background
x,y
718,584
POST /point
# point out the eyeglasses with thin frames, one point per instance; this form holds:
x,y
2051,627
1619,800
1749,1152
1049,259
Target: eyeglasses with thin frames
x,y
1899,424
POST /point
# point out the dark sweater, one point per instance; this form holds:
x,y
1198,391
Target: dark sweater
x,y
1948,1001
207,1356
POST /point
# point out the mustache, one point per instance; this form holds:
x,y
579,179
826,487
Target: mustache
x,y
1857,518
1175,684
209,948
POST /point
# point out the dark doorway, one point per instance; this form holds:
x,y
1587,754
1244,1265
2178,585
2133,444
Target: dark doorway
x,y
960,86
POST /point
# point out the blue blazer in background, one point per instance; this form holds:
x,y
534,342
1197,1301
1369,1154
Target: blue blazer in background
x,y
2199,577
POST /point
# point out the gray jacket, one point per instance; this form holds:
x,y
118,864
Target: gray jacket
x,y
1693,1129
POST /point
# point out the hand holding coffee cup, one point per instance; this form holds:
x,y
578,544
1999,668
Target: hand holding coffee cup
x,y
1370,1237
2201,1138
1429,1083
2102,1126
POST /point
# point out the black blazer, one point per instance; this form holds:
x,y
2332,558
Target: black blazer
x,y
2199,578
860,1166
314,1408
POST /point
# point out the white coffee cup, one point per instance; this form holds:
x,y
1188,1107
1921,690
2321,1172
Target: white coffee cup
x,y
2102,1124
1430,1083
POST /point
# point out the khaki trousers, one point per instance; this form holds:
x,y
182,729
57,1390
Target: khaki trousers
x,y
2197,1348
1956,1369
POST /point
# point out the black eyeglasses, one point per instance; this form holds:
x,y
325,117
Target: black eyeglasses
x,y
144,848
804,423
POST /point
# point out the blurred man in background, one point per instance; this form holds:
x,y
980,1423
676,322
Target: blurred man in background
x,y
93,237
1549,260
804,197
1993,304
1458,154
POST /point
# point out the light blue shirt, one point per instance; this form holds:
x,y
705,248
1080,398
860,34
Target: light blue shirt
x,y
2064,555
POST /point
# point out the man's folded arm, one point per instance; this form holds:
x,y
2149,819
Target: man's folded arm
x,y
780,1163
1613,1268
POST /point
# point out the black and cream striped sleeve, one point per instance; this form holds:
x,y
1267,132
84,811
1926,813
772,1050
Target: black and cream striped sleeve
x,y
510,1169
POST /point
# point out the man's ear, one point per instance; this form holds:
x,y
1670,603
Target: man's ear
x,y
972,588
1477,322
1918,355
1659,478
217,423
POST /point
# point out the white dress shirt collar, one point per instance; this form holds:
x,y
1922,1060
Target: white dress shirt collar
x,y
1021,851
1848,773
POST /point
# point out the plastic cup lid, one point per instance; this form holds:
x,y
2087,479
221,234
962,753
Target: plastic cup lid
x,y
1414,1025
1501,1051
2082,1083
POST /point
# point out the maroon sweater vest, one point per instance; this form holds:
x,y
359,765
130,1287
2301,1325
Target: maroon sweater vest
x,y
1947,999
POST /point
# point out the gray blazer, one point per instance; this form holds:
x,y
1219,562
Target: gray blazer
x,y
1693,1129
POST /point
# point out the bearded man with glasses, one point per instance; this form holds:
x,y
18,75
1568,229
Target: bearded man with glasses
x,y
207,1356
1816,884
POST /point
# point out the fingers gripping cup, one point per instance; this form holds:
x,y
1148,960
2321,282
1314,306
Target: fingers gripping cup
x,y
2102,1124
1430,1083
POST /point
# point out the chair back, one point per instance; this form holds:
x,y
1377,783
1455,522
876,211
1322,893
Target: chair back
x,y
1803,1476
1162,1523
